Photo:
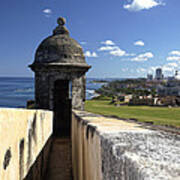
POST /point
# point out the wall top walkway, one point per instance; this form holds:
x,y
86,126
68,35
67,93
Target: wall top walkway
x,y
131,150
110,125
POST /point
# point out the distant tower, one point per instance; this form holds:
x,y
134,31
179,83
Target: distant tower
x,y
60,81
176,73
177,76
159,75
149,77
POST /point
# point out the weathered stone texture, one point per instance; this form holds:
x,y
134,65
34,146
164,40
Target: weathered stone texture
x,y
138,155
61,49
59,57
44,88
122,150
23,140
78,92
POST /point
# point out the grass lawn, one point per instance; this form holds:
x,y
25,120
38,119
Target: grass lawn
x,y
157,115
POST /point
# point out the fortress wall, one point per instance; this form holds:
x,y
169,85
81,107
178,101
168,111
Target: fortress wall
x,y
86,150
108,149
24,141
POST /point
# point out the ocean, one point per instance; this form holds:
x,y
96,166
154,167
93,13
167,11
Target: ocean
x,y
15,92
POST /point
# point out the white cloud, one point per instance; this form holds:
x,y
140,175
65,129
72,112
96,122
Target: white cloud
x,y
138,5
177,53
118,52
83,42
47,11
125,69
89,54
172,64
130,54
143,57
173,58
108,43
108,48
166,68
141,70
114,50
169,67
152,69
139,43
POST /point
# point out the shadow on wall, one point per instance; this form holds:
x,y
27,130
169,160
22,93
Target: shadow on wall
x,y
39,168
25,143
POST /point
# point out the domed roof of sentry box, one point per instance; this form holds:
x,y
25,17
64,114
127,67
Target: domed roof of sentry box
x,y
60,48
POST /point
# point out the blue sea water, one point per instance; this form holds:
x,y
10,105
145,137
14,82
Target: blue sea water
x,y
14,92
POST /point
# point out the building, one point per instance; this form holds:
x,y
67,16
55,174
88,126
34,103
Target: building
x,y
168,91
149,77
177,75
159,75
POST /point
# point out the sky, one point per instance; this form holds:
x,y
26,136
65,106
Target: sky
x,y
120,38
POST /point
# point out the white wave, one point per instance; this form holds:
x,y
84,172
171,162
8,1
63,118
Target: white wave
x,y
90,91
24,90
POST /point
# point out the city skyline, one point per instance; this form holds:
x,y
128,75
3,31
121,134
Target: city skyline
x,y
122,39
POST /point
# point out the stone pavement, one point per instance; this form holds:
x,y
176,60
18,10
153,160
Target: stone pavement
x,y
60,165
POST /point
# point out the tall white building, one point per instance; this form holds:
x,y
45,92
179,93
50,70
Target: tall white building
x,y
177,76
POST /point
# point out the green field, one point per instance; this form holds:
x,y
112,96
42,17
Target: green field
x,y
157,115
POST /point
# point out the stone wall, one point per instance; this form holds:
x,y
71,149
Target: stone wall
x,y
102,148
112,149
45,78
25,142
86,151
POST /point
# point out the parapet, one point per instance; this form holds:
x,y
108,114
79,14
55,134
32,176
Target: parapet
x,y
109,148
23,136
